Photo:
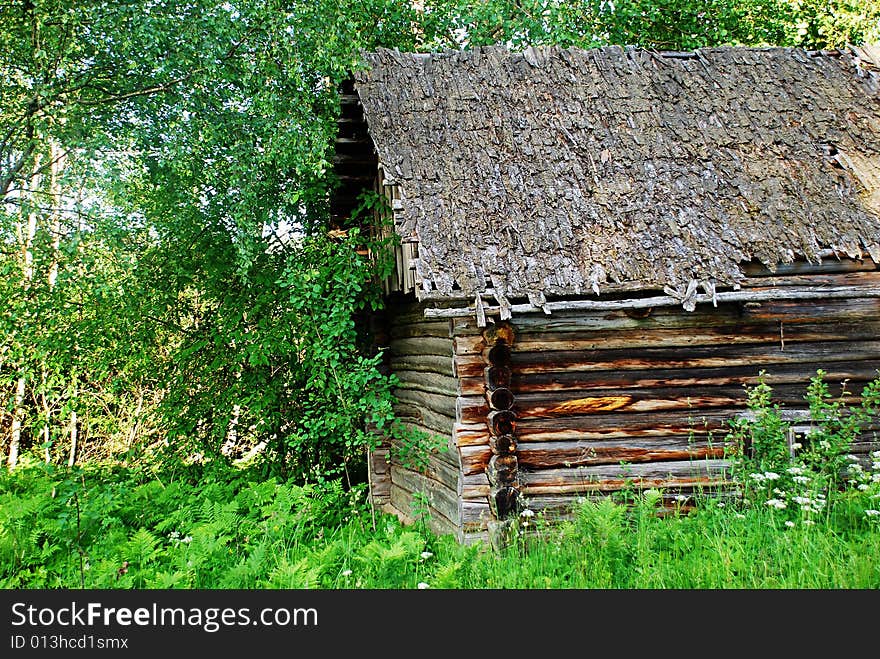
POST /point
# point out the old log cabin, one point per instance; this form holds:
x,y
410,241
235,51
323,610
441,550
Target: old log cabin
x,y
599,249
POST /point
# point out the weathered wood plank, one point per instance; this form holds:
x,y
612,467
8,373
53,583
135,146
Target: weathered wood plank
x,y
831,264
475,515
777,374
847,309
471,434
471,386
403,500
450,455
769,332
546,455
475,486
474,459
710,472
470,345
433,328
434,383
437,495
428,345
614,426
422,416
441,404
697,357
756,294
423,363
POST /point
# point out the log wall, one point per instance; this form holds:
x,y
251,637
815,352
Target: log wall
x,y
595,401
420,353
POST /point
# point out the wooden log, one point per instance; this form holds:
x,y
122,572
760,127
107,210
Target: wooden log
x,y
699,357
557,507
615,426
501,470
501,422
499,355
548,455
445,385
767,332
503,445
422,416
474,459
700,473
429,345
437,328
475,515
500,398
842,309
469,345
441,404
403,500
475,486
473,386
503,501
441,365
380,461
797,373
438,496
807,280
756,294
433,438
449,457
830,265
556,404
502,332
497,377
468,434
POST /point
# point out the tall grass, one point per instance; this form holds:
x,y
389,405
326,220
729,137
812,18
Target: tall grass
x,y
805,515
96,528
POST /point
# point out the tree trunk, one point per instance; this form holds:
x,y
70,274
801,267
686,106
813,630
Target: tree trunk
x,y
26,236
73,439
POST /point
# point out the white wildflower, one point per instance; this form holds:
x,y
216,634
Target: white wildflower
x,y
188,539
527,513
796,445
872,513
801,479
426,555
852,458
808,522
802,501
422,585
346,573
721,504
875,478
776,503
795,470
789,524
771,475
757,477
740,516
863,487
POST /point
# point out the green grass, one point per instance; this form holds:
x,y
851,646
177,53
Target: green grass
x,y
115,528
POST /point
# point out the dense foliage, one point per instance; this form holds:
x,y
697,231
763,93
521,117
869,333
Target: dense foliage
x,y
169,275
804,520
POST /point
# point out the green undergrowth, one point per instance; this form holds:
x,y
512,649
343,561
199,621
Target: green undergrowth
x,y
109,528
805,513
